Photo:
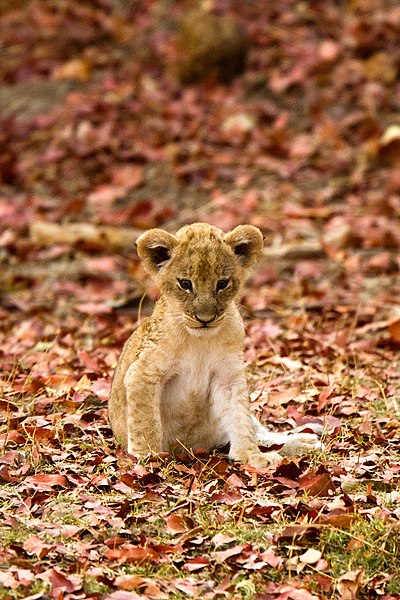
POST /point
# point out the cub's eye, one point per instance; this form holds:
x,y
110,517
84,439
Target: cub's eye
x,y
185,284
222,284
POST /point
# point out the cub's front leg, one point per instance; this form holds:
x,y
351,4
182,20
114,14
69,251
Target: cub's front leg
x,y
233,410
143,396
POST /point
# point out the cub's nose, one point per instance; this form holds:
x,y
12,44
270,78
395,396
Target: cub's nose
x,y
204,321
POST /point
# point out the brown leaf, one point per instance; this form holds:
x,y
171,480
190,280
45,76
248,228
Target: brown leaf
x,y
228,496
324,396
46,481
8,406
34,545
220,539
120,595
284,396
128,176
394,330
176,524
8,580
105,195
365,428
235,481
222,555
297,531
350,583
271,558
317,485
114,541
61,383
61,581
76,68
133,554
130,582
5,475
341,521
195,564
294,593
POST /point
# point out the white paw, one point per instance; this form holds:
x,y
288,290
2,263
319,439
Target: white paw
x,y
297,444
263,459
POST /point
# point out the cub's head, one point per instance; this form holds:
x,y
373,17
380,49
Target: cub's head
x,y
200,269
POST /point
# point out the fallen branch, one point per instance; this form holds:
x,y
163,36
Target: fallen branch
x,y
336,239
60,270
95,236
296,250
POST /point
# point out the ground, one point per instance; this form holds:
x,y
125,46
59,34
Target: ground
x,y
96,131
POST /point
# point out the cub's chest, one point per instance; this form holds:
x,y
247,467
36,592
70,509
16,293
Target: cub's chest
x,y
192,372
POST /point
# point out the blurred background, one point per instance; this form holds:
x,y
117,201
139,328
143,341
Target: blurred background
x,y
118,116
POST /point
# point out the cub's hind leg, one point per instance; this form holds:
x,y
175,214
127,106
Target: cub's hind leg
x,y
294,443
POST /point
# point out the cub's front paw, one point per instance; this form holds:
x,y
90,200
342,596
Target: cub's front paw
x,y
143,447
301,443
139,451
262,459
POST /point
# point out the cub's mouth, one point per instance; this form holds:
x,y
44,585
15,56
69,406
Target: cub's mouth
x,y
194,322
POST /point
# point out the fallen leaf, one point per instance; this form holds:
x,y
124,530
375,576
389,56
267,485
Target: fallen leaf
x,y
129,582
271,558
34,545
176,524
46,481
60,580
222,555
341,521
317,485
77,68
350,583
394,330
133,554
391,134
195,564
120,595
310,557
220,539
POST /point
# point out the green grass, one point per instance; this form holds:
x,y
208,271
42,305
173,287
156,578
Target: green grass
x,y
14,535
374,546
92,586
38,586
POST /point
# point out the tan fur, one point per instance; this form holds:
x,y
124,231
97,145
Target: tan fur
x,y
180,380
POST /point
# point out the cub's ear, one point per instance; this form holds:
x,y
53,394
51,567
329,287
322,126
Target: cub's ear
x,y
247,243
154,248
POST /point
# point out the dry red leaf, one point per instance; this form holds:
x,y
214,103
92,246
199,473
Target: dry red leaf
x,y
195,564
394,330
120,595
317,485
34,545
130,582
46,481
176,524
60,581
222,555
133,554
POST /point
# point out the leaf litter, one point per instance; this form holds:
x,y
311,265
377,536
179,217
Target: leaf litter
x,y
304,145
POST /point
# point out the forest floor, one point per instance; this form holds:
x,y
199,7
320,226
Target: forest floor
x,y
98,142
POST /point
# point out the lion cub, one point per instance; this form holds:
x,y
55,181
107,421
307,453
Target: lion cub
x,y
180,380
